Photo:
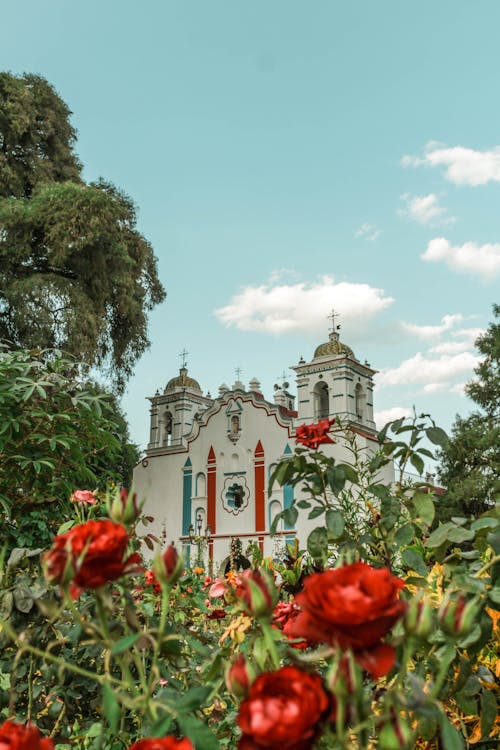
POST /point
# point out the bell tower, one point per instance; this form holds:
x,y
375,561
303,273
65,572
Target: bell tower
x,y
335,384
175,411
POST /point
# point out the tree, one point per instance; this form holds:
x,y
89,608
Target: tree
x,y
57,435
75,273
470,463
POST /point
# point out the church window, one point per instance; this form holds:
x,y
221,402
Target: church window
x,y
201,485
274,509
360,402
321,401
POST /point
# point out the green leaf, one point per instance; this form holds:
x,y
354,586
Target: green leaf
x,y
290,516
390,510
335,523
317,544
459,535
303,504
198,732
405,534
452,740
424,505
193,699
318,511
437,436
414,561
440,535
488,712
124,643
484,523
417,462
111,707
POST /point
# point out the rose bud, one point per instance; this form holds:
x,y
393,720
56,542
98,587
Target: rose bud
x,y
255,592
419,618
239,677
344,676
124,508
458,616
167,567
395,735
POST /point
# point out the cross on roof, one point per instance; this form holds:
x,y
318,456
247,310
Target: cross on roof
x,y
184,354
282,377
332,317
238,372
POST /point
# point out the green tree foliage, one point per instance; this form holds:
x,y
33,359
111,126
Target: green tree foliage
x,y
75,273
56,435
470,463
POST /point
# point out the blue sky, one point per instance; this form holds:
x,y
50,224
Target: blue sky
x,y
286,158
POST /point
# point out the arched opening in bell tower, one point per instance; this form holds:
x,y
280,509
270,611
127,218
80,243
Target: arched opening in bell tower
x,y
360,402
321,401
168,428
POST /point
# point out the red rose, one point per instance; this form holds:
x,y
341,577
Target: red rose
x,y
14,736
84,497
254,591
312,435
283,710
167,567
352,607
162,743
89,555
239,677
284,615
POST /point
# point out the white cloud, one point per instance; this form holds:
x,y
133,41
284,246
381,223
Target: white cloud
x,y
463,166
368,232
481,260
467,336
302,307
458,388
388,415
428,371
425,209
430,332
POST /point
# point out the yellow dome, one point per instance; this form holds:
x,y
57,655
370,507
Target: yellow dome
x,y
183,381
333,347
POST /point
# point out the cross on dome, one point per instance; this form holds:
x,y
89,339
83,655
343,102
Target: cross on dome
x,y
335,327
184,354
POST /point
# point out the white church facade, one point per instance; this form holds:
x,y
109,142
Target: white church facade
x,y
206,468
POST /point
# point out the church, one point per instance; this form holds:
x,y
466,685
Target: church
x,y
205,472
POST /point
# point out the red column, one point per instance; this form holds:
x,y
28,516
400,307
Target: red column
x,y
259,471
211,473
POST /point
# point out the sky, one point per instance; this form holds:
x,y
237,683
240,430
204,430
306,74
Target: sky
x,y
287,158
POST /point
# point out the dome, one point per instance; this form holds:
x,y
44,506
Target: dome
x,y
333,347
182,381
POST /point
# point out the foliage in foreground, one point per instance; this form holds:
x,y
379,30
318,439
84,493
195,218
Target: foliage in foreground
x,y
56,433
379,635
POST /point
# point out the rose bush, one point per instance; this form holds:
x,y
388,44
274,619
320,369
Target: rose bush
x,y
283,709
89,555
137,662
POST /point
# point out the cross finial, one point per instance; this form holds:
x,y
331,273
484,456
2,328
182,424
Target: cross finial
x,y
184,354
333,315
282,377
238,372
